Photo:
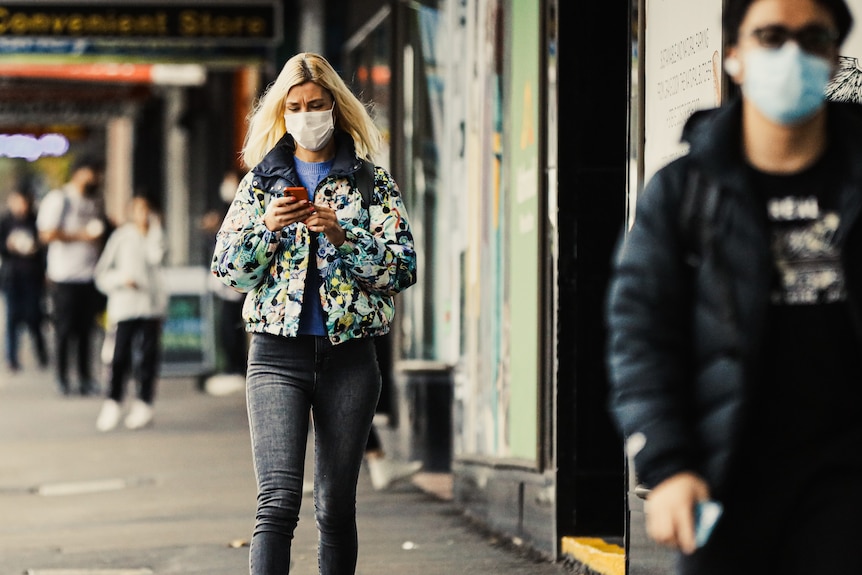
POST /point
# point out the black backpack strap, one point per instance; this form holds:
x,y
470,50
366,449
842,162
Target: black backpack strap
x,y
698,209
698,214
67,204
364,179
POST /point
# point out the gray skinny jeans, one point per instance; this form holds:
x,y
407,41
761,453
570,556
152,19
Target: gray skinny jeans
x,y
287,379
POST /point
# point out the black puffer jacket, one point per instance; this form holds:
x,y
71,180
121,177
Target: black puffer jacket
x,y
684,342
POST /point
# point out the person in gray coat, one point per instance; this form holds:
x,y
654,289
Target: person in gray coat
x,y
733,312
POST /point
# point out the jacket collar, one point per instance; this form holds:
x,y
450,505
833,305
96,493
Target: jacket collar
x,y
279,161
715,139
715,143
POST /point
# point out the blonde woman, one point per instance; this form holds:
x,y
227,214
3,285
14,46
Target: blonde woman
x,y
320,274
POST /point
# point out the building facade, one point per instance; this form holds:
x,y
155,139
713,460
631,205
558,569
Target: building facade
x,y
506,326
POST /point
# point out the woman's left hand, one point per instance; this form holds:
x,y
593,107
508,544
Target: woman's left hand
x,y
324,220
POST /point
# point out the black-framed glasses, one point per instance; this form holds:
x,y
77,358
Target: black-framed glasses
x,y
814,38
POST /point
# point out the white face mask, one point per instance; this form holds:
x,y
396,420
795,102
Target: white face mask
x,y
311,130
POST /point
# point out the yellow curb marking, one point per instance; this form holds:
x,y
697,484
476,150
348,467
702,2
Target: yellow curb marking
x,y
595,553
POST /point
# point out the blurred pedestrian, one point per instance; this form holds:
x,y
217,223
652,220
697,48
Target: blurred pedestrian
x,y
129,272
734,312
231,336
320,274
71,221
385,471
22,277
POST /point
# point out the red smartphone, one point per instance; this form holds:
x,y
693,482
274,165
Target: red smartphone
x,y
298,192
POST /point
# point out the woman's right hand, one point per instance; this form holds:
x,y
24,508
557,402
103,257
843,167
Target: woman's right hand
x,y
285,210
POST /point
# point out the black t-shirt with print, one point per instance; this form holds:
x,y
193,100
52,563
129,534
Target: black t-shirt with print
x,y
809,395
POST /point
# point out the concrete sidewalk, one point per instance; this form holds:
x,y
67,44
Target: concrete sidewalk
x,y
179,497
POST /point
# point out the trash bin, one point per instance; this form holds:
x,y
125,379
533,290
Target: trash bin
x,y
188,334
425,409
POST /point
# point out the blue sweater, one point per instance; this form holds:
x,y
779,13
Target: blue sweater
x,y
311,319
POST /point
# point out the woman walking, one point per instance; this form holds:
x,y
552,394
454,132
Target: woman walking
x,y
320,275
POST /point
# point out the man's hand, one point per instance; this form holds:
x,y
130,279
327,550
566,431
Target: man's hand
x,y
670,510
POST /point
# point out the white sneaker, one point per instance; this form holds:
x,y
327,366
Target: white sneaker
x,y
109,416
141,415
385,472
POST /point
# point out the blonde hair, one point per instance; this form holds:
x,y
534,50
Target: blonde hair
x,y
266,121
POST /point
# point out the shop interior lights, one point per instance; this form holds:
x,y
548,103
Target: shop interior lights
x,y
30,147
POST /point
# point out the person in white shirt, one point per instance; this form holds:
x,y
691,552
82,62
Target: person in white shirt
x,y
71,223
129,273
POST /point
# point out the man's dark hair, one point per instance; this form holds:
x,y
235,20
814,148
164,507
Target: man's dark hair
x,y
88,161
735,11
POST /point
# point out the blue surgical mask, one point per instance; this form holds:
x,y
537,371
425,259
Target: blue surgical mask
x,y
787,84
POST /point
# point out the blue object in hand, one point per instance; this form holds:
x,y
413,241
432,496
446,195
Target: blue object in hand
x,y
706,514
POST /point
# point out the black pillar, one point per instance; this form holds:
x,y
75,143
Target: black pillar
x,y
594,67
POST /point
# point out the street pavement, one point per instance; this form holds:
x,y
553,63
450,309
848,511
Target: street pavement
x,y
178,497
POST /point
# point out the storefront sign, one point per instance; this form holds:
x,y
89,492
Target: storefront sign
x,y
251,22
161,74
682,60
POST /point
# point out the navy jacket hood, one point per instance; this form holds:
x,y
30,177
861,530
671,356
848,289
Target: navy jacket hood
x,y
279,164
715,139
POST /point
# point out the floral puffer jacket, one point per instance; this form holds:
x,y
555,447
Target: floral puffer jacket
x,y
358,278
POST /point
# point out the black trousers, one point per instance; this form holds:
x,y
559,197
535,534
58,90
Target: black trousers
x,y
233,339
787,522
75,306
24,310
137,354
383,347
